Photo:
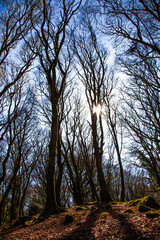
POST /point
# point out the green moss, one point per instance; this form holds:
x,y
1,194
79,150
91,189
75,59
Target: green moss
x,y
152,214
134,202
79,208
105,215
150,202
142,208
147,201
33,220
91,207
73,207
22,220
91,203
112,203
128,210
76,213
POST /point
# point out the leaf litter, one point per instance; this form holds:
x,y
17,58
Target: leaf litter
x,y
90,223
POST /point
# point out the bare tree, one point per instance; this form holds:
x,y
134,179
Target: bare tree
x,y
74,165
115,127
136,25
16,139
15,24
36,193
84,139
48,43
136,21
92,72
142,118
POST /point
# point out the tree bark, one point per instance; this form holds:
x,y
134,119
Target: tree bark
x,y
13,210
104,193
76,186
122,197
51,206
60,170
11,182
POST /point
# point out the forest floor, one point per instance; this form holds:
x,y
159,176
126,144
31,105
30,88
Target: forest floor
x,y
89,222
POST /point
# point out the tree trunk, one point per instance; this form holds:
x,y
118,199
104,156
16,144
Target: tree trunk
x,y
104,193
22,200
122,197
95,196
51,203
76,187
8,188
13,210
4,197
60,171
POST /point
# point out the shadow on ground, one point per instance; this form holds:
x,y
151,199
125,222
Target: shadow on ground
x,y
84,231
130,232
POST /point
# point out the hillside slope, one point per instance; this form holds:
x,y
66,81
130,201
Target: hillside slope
x,y
114,221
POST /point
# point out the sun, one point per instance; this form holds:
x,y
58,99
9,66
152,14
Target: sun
x,y
97,109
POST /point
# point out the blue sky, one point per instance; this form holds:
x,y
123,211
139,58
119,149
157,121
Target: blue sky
x,y
1,4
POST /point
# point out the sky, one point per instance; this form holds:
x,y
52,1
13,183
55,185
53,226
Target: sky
x,y
2,4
